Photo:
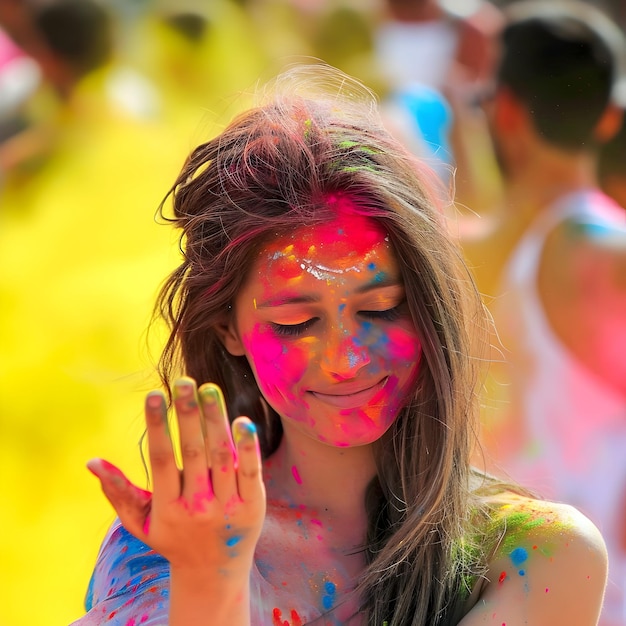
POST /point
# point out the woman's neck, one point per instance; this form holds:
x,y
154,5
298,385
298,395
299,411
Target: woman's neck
x,y
305,472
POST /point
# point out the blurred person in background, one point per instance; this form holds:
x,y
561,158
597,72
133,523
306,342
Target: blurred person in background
x,y
80,262
343,36
552,263
197,55
424,41
72,45
20,76
432,54
612,167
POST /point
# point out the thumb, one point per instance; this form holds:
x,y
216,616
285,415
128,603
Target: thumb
x,y
131,503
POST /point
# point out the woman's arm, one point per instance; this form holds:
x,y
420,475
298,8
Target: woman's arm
x,y
204,519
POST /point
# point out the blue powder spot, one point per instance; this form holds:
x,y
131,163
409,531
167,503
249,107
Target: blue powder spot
x,y
371,266
328,600
518,556
380,277
233,541
353,358
342,307
146,562
522,572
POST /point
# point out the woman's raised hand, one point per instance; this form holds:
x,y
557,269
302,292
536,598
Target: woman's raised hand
x,y
206,518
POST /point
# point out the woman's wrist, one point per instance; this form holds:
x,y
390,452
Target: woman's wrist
x,y
199,598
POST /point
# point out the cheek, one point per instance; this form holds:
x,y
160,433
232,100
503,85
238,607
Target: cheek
x,y
403,345
393,345
278,364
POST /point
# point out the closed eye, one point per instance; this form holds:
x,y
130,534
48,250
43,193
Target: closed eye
x,y
388,315
292,330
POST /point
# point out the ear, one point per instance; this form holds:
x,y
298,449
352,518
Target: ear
x,y
509,114
609,123
230,337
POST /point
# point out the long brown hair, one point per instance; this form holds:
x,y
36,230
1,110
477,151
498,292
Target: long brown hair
x,y
271,170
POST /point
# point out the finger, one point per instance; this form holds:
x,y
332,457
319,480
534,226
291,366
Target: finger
x,y
131,503
196,488
165,473
219,442
249,473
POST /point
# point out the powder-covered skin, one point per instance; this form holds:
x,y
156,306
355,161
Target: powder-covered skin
x,y
130,584
323,315
527,530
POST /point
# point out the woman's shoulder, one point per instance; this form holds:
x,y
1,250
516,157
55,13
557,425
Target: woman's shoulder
x,y
548,565
530,520
129,584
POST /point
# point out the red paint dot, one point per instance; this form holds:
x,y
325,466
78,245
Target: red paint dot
x,y
502,577
278,617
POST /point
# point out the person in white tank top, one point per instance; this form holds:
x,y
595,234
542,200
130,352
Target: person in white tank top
x,y
553,264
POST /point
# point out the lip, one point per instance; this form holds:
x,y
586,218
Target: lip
x,y
351,397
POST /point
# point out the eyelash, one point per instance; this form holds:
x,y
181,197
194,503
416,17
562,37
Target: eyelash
x,y
293,330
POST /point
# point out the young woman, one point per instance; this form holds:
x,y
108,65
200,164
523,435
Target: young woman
x,y
321,294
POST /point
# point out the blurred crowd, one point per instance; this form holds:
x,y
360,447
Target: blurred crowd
x,y
100,100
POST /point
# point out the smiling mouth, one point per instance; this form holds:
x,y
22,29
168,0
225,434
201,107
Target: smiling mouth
x,y
351,400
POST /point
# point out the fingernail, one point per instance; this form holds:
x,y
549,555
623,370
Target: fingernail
x,y
92,464
183,388
154,400
243,430
210,394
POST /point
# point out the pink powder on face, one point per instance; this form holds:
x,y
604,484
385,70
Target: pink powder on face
x,y
279,366
310,240
403,345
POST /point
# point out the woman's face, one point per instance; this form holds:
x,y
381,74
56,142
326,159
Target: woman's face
x,y
324,324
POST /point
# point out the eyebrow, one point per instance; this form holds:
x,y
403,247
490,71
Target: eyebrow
x,y
284,298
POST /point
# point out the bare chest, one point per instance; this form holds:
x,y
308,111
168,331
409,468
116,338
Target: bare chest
x,y
305,570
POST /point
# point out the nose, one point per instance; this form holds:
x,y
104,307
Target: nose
x,y
344,355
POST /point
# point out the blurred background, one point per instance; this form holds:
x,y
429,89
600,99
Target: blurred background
x,y
100,102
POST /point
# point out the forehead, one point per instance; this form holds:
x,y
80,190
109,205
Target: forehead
x,y
347,243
